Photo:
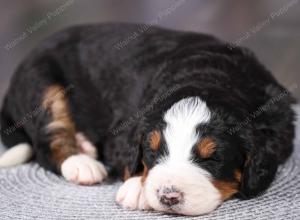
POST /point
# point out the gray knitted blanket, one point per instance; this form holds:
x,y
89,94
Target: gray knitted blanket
x,y
30,192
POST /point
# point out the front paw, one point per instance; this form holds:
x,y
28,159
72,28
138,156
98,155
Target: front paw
x,y
131,195
84,170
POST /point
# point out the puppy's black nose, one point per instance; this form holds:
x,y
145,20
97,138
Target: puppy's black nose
x,y
170,196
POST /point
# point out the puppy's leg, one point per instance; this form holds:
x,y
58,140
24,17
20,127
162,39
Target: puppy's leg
x,y
131,194
85,145
15,139
64,153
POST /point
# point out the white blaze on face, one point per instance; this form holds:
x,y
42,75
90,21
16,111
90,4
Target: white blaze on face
x,y
176,172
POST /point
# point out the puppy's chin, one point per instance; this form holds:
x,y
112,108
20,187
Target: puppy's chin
x,y
181,188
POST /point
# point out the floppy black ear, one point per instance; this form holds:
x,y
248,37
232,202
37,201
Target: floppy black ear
x,y
260,168
135,141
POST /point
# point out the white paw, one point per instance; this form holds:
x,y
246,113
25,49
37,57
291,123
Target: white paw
x,y
86,146
82,169
131,195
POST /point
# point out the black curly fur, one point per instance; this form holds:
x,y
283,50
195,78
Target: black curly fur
x,y
119,95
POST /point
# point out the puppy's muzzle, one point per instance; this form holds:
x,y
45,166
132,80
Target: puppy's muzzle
x,y
169,196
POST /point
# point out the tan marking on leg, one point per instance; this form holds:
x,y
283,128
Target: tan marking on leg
x,y
61,128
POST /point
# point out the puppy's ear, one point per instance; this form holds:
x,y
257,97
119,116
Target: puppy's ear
x,y
260,168
135,164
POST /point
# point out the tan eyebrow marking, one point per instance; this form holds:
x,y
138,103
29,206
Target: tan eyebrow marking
x,y
206,147
155,139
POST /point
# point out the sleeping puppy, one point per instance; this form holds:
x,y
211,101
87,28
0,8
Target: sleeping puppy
x,y
185,119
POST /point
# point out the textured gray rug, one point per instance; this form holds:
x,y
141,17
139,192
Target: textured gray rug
x,y
30,192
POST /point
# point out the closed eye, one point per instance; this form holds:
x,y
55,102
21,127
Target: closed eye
x,y
198,159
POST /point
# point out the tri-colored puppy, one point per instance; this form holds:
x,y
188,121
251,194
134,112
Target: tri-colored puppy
x,y
186,119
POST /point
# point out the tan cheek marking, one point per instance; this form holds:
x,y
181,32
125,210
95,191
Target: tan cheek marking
x,y
227,189
206,147
155,140
61,128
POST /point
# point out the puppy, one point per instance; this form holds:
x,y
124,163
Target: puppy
x,y
185,119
